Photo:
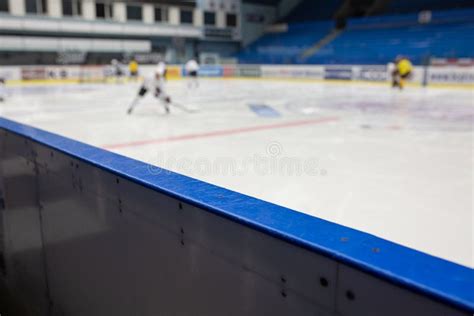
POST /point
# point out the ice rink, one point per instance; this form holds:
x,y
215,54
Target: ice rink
x,y
395,164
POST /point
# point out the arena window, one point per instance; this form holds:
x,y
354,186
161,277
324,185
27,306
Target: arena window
x,y
36,6
161,14
231,19
78,8
72,8
103,10
100,10
186,16
3,5
31,6
209,18
134,12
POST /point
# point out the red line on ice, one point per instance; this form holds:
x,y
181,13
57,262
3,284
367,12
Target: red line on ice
x,y
221,133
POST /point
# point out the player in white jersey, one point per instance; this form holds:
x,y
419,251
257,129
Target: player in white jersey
x,y
116,70
156,84
192,69
162,69
2,90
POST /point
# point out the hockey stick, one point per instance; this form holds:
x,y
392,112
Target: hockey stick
x,y
134,103
184,108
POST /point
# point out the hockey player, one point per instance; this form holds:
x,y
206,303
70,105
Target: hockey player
x,y
192,69
162,65
2,90
156,85
403,70
116,68
133,69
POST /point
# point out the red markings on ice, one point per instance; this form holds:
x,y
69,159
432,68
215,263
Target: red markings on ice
x,y
225,132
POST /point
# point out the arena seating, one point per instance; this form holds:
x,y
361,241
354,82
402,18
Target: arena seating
x,y
371,40
278,48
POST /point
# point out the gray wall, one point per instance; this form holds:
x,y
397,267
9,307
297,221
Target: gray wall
x,y
251,31
78,239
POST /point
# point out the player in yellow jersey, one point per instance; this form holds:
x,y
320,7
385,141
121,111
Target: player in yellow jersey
x,y
403,71
133,69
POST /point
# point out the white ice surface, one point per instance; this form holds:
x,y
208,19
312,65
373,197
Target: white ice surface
x,y
395,164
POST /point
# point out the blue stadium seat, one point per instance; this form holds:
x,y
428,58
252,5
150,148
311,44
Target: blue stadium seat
x,y
373,40
280,48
